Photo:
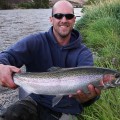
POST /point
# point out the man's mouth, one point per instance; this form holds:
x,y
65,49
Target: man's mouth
x,y
64,25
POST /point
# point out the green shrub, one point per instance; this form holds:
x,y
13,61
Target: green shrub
x,y
26,5
5,5
35,4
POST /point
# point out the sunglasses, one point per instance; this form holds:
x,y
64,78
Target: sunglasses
x,y
60,16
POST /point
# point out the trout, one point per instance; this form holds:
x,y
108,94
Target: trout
x,y
66,81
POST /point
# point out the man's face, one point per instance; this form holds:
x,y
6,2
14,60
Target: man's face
x,y
62,25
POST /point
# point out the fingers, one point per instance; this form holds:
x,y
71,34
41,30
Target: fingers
x,y
7,81
93,91
84,97
6,78
15,69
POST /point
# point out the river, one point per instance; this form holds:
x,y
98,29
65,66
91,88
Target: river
x,y
16,24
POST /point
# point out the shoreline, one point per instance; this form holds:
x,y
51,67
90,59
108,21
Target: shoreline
x,y
8,97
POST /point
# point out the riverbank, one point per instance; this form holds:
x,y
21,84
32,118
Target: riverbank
x,y
35,4
100,28
27,4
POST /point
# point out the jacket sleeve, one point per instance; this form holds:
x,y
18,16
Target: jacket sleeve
x,y
85,57
18,54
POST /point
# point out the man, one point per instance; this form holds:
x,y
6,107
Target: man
x,y
60,46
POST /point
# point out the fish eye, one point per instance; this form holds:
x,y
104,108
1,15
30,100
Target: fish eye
x,y
117,75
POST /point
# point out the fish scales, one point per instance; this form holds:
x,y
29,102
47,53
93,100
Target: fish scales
x,y
62,81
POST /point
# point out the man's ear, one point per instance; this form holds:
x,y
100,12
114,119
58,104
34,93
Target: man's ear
x,y
51,19
74,19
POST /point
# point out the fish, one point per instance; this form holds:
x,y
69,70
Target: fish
x,y
66,81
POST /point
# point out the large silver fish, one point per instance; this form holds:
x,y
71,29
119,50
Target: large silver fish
x,y
66,81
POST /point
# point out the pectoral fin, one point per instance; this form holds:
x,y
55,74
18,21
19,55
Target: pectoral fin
x,y
56,100
22,93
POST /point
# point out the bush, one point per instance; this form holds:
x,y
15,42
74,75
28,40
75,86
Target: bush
x,y
5,5
35,4
26,5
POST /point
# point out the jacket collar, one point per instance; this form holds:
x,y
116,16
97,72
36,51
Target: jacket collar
x,y
75,40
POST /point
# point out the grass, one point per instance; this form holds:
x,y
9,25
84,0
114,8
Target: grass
x,y
106,108
100,28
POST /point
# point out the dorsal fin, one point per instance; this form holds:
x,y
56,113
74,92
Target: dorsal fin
x,y
53,69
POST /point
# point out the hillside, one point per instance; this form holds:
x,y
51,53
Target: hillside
x,y
7,4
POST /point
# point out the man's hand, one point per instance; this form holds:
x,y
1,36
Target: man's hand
x,y
93,92
84,97
6,74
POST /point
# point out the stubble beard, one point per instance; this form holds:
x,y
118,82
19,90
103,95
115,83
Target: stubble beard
x,y
64,33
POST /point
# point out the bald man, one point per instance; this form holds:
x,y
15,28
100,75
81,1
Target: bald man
x,y
59,46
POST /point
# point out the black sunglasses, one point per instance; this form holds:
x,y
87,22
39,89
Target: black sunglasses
x,y
60,16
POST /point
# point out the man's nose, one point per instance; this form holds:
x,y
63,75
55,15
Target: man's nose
x,y
64,19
